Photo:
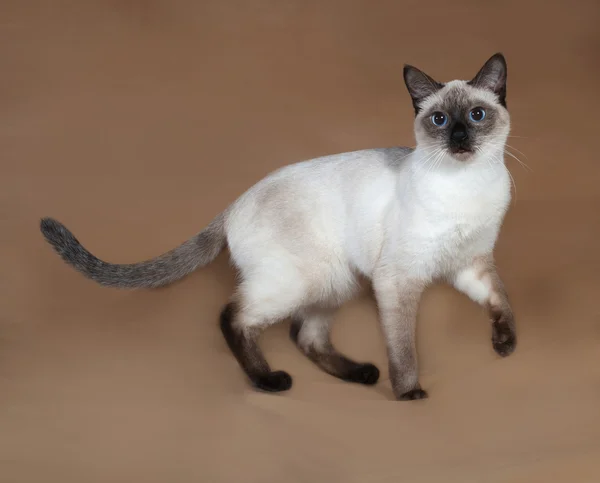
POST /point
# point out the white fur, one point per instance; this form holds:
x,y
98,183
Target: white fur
x,y
302,235
476,287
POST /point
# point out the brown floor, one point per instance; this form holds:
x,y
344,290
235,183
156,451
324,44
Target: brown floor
x,y
135,122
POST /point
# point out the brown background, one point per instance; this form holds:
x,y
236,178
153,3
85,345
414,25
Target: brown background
x,y
135,122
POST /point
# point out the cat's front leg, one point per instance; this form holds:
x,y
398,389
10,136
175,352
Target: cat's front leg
x,y
398,302
480,282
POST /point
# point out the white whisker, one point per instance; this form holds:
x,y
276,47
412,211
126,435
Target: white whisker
x,y
506,151
513,183
438,160
510,175
520,162
427,164
520,152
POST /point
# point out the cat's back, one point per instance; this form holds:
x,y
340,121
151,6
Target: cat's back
x,y
317,197
318,220
364,162
322,181
334,170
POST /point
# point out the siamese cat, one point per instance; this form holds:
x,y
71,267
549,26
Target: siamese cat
x,y
301,237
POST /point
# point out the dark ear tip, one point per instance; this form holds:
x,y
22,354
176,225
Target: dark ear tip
x,y
410,71
499,56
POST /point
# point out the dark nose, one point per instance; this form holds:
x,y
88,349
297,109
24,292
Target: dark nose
x,y
459,133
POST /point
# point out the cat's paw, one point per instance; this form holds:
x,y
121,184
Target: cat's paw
x,y
363,374
504,339
275,381
414,394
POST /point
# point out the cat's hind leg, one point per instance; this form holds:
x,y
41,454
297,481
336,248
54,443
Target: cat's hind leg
x,y
241,331
311,333
268,293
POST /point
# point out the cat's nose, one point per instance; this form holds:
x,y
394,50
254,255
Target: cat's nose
x,y
459,134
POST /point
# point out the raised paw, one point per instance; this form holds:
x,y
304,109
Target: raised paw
x,y
363,374
413,394
275,381
504,339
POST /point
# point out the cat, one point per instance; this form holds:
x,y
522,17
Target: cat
x,y
401,217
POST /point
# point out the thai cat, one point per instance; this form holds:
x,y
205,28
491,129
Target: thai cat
x,y
401,217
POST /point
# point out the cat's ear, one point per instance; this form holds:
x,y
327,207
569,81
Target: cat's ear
x,y
420,85
492,77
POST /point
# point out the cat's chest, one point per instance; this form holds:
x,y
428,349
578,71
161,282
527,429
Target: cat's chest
x,y
461,213
435,231
459,204
445,221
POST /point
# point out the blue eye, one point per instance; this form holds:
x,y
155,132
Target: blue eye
x,y
477,114
439,119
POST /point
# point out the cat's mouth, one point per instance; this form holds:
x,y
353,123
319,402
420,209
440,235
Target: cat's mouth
x,y
461,153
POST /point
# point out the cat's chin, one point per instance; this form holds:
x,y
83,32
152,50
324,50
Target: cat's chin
x,y
462,154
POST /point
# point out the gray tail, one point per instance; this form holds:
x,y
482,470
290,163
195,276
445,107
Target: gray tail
x,y
196,252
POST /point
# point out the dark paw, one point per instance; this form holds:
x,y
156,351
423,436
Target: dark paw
x,y
504,340
276,381
413,394
363,374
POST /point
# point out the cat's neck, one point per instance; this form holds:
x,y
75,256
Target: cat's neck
x,y
488,163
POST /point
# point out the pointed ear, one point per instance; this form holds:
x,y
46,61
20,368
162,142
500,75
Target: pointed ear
x,y
492,77
420,85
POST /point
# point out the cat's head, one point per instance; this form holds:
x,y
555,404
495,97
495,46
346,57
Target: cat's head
x,y
462,118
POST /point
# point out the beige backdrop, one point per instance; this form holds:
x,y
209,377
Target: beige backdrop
x,y
135,122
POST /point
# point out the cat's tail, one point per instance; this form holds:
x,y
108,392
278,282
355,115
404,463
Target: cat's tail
x,y
196,252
